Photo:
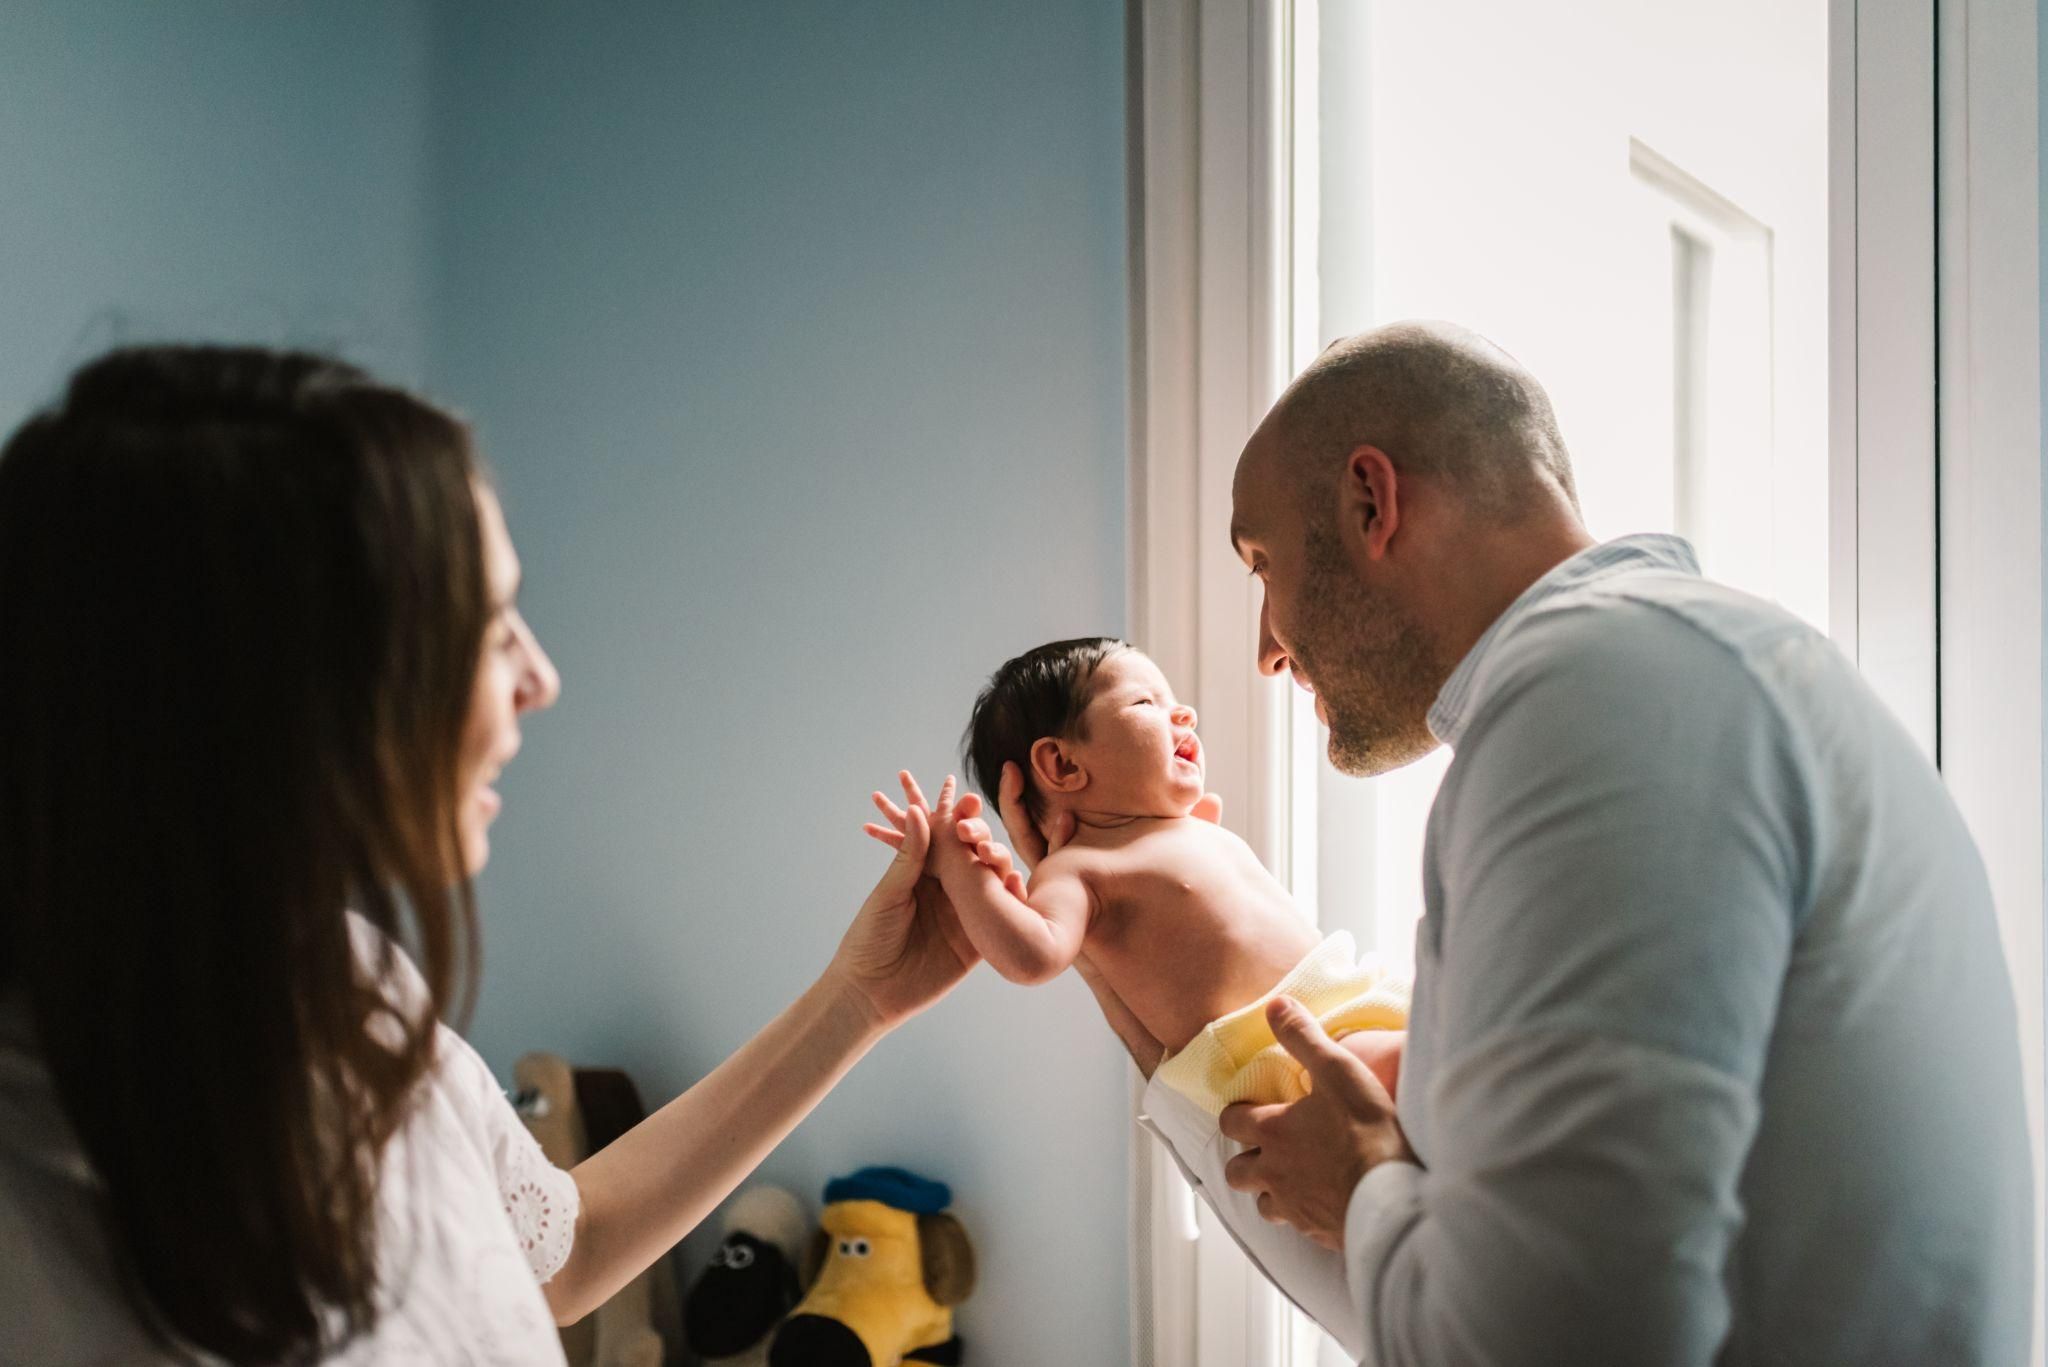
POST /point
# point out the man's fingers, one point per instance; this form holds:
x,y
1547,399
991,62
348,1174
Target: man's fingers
x,y
1024,834
1060,832
1245,1122
893,839
1269,1212
1328,1064
1241,1172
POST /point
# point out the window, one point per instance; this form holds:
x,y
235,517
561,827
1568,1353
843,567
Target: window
x,y
1709,231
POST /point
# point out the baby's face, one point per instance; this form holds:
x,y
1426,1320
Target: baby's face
x,y
1141,753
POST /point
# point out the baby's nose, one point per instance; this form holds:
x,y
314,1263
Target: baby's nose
x,y
1184,716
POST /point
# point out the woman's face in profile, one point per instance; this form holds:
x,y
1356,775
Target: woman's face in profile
x,y
514,676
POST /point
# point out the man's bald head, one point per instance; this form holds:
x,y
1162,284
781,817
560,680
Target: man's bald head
x,y
1443,403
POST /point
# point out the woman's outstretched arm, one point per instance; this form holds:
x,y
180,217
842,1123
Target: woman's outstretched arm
x,y
647,1189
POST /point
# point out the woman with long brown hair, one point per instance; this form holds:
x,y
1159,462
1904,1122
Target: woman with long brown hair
x,y
261,660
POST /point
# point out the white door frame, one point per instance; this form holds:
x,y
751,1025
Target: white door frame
x,y
1988,294
1942,609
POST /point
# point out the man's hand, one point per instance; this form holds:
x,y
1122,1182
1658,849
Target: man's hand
x,y
1026,837
1305,1158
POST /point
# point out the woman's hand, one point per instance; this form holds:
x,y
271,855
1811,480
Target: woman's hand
x,y
905,948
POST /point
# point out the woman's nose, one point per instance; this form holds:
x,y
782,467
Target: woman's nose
x,y
539,683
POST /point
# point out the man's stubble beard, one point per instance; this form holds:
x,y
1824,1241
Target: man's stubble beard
x,y
1368,661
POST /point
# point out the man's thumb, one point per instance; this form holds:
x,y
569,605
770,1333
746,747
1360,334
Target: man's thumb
x,y
1303,1037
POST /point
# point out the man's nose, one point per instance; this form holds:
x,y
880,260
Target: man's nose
x,y
1272,659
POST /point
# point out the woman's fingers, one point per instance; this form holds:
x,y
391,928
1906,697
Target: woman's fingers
x,y
917,840
893,839
968,807
890,810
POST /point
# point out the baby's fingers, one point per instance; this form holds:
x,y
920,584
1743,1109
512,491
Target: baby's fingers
x,y
893,839
911,792
996,857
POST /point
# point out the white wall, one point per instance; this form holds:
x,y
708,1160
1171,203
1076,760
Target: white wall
x,y
182,171
797,336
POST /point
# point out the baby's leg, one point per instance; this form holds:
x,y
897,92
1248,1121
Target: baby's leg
x,y
1379,1050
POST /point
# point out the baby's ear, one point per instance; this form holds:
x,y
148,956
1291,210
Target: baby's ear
x,y
1054,767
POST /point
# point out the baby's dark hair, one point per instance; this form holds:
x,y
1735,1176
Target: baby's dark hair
x,y
1038,694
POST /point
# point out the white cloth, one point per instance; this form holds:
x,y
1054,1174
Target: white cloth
x,y
472,1220
1310,1276
1713,1054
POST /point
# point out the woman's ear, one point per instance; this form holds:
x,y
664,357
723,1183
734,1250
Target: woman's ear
x,y
1054,766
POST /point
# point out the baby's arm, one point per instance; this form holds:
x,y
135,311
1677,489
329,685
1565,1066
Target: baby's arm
x,y
1030,939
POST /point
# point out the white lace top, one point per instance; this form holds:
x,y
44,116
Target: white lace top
x,y
473,1220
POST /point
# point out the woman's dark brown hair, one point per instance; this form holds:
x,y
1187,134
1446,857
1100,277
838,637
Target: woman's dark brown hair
x,y
241,603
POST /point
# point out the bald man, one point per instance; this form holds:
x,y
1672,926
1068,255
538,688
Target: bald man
x,y
1713,1056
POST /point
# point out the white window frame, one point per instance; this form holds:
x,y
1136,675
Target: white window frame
x,y
1931,278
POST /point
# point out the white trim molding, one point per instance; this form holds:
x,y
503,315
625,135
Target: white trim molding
x,y
1989,306
1213,317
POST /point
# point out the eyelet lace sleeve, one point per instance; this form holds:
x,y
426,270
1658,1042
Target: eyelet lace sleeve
x,y
540,1200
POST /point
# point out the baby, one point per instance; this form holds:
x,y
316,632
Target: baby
x,y
1174,914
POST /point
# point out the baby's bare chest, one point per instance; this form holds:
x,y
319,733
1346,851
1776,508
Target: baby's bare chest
x,y
1193,890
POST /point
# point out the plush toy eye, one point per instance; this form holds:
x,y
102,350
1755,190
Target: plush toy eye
x,y
738,1256
860,1248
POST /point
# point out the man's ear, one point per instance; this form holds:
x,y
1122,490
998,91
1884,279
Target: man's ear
x,y
1054,766
1369,503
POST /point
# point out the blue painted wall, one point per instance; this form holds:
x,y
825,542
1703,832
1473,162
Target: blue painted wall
x,y
796,333
191,170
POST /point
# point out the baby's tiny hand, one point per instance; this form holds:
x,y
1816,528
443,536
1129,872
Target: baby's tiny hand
x,y
974,833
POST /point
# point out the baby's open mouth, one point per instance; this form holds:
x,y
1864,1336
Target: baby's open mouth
x,y
1188,750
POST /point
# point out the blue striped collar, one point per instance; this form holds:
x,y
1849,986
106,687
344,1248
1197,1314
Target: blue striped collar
x,y
1646,551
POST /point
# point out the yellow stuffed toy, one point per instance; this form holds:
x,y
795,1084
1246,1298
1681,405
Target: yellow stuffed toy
x,y
893,1265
